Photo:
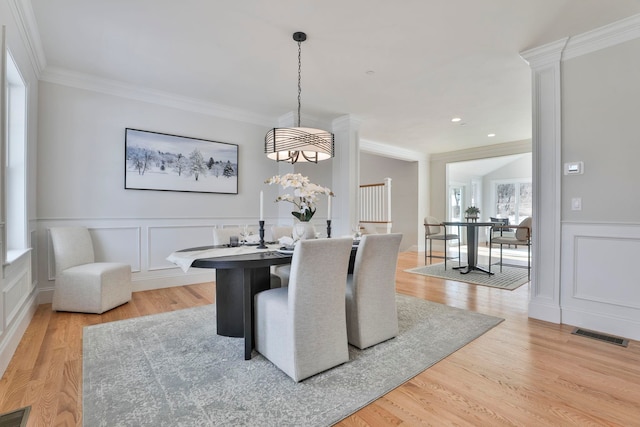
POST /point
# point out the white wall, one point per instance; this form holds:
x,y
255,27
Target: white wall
x,y
81,181
600,243
585,93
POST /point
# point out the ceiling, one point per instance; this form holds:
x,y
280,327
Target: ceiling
x,y
403,68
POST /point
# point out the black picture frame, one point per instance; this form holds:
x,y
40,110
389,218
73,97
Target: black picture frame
x,y
165,162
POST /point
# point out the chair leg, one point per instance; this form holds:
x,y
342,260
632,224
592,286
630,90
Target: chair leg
x,y
529,261
500,257
425,249
445,248
490,246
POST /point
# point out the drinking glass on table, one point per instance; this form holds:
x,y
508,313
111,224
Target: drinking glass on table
x,y
298,231
245,233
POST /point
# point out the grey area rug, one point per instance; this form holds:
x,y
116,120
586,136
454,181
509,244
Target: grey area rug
x,y
171,369
510,278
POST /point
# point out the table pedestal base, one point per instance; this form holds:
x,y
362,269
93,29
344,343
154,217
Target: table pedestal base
x,y
235,289
471,268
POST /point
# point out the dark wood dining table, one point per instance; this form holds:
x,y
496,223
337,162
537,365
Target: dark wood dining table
x,y
238,279
472,245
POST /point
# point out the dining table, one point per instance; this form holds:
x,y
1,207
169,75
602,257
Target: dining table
x,y
472,228
241,273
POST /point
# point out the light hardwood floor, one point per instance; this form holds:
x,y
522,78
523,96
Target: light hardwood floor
x,y
523,372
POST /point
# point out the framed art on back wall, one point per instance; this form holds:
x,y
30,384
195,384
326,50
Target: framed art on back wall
x,y
158,161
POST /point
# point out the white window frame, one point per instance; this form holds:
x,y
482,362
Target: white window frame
x,y
14,170
517,182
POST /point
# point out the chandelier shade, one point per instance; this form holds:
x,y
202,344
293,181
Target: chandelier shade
x,y
299,144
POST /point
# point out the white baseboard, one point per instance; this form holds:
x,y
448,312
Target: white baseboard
x,y
171,278
547,312
599,322
14,333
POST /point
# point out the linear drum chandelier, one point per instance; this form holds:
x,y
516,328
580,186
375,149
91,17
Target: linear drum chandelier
x,y
299,144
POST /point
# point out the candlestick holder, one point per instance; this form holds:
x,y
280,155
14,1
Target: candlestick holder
x,y
328,228
261,245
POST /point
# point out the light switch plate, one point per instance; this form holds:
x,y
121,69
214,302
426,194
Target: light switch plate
x,y
576,204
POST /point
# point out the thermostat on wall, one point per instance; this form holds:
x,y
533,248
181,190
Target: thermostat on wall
x,y
573,168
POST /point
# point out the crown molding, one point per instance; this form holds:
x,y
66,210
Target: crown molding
x,y
600,38
346,121
385,150
124,90
545,55
28,28
486,151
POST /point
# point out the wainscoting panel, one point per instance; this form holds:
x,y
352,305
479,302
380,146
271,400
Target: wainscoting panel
x,y
14,294
162,241
144,243
118,244
598,278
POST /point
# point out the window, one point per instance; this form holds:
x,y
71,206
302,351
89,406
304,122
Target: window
x,y
15,157
513,200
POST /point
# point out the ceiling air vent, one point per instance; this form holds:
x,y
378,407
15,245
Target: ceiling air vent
x,y
601,337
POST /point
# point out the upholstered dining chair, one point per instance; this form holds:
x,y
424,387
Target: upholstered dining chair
x,y
435,230
278,231
81,284
522,236
302,329
222,236
281,271
371,291
499,231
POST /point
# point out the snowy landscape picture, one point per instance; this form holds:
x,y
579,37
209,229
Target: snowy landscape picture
x,y
157,161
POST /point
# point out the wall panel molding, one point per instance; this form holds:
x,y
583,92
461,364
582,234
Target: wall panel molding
x,y
600,289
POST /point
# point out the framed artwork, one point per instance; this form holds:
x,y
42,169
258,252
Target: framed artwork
x,y
158,161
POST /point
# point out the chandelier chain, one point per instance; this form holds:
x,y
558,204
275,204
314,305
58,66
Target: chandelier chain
x,y
299,79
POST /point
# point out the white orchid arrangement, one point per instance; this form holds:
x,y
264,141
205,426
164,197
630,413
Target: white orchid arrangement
x,y
305,194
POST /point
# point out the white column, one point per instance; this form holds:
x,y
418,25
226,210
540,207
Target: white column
x,y
544,303
346,175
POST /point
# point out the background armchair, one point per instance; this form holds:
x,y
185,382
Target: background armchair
x,y
83,285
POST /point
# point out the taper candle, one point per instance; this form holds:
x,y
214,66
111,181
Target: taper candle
x,y
261,205
329,207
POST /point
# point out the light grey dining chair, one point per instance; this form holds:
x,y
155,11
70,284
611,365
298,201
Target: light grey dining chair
x,y
371,291
282,272
81,284
222,236
435,230
278,231
302,329
522,236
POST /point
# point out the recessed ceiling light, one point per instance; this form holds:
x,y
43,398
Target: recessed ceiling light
x,y
456,119
370,72
491,135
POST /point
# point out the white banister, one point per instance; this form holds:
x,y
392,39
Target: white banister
x,y
375,204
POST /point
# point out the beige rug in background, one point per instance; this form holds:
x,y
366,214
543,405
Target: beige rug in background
x,y
510,278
